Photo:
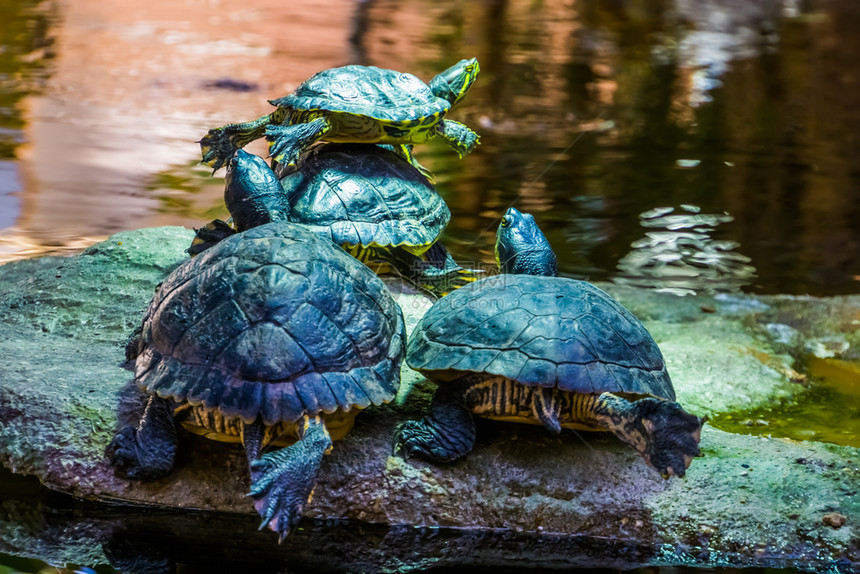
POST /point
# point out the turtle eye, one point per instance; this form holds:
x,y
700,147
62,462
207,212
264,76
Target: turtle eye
x,y
505,222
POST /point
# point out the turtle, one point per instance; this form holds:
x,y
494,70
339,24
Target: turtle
x,y
362,104
367,199
272,338
528,346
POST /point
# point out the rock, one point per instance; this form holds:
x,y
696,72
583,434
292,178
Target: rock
x,y
522,497
834,519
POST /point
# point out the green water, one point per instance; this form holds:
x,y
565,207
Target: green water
x,y
827,410
818,414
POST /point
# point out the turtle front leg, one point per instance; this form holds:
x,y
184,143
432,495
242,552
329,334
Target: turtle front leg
x,y
445,434
287,143
282,482
219,144
147,451
459,137
661,431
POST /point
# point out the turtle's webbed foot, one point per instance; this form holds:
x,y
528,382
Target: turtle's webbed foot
x,y
220,144
276,498
140,461
423,170
217,147
282,482
417,438
666,435
405,151
458,136
445,434
147,451
429,440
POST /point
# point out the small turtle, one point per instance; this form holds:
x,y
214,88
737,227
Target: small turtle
x,y
272,337
365,198
362,104
527,346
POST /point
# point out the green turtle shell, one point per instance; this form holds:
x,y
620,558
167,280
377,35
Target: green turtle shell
x,y
360,194
367,91
272,322
539,331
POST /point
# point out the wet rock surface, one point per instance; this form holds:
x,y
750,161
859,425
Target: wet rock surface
x,y
522,497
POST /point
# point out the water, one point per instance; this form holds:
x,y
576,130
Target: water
x,y
676,145
827,410
148,540
591,114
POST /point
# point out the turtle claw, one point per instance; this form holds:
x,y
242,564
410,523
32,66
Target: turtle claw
x,y
216,148
404,447
134,460
279,505
123,451
282,148
430,440
282,482
458,136
145,451
219,145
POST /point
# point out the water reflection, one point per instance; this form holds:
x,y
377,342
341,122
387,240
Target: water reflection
x,y
585,108
682,257
114,539
26,46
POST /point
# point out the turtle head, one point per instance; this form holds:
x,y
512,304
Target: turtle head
x,y
521,246
252,192
453,84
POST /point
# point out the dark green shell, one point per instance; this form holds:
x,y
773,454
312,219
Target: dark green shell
x,y
540,331
362,194
366,91
272,322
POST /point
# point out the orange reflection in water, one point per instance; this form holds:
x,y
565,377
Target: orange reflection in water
x,y
131,89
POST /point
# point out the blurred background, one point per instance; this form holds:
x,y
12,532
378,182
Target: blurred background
x,y
682,145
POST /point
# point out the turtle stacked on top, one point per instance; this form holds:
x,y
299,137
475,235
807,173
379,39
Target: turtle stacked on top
x,y
365,197
362,104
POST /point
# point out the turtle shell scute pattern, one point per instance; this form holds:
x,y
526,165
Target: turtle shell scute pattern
x,y
272,322
540,331
367,91
362,194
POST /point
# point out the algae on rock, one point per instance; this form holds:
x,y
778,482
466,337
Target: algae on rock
x,y
748,501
